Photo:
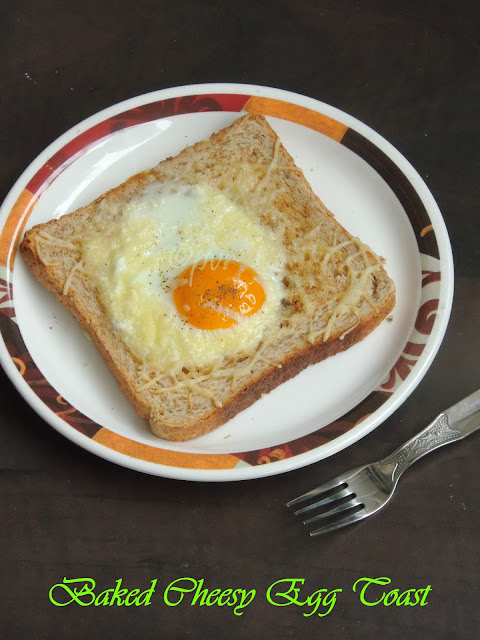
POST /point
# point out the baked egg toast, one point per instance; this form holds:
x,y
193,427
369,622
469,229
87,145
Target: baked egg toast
x,y
211,279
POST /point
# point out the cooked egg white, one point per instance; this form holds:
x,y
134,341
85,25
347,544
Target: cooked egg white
x,y
138,265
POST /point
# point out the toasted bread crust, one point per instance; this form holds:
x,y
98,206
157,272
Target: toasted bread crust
x,y
304,208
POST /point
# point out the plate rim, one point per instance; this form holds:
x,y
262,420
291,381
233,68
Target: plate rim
x,y
244,471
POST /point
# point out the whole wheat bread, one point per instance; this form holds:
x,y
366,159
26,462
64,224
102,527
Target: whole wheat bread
x,y
336,289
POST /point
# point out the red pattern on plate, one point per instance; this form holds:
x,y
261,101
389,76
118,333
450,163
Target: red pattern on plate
x,y
6,298
50,397
426,317
423,324
430,276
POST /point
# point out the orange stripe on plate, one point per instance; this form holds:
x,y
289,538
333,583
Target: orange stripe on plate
x,y
425,230
163,456
294,113
10,238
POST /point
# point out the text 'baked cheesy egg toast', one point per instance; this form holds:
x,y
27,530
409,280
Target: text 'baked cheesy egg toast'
x,y
211,279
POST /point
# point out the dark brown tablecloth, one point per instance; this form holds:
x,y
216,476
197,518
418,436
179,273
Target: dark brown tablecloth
x,y
408,70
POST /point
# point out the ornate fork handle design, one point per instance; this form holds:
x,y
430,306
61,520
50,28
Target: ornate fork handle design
x,y
454,423
437,434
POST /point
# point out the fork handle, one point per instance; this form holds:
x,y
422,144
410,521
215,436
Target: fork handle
x,y
437,434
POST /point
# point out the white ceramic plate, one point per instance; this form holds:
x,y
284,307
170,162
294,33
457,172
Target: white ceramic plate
x,y
373,191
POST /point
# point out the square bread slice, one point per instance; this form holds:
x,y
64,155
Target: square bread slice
x,y
335,290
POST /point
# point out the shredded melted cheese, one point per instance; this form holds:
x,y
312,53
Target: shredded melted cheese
x,y
68,282
45,239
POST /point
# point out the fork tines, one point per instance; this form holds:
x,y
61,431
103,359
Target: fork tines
x,y
335,500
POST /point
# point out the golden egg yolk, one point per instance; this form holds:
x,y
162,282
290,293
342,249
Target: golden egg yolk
x,y
214,295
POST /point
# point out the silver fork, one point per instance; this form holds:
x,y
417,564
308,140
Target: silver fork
x,y
361,492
